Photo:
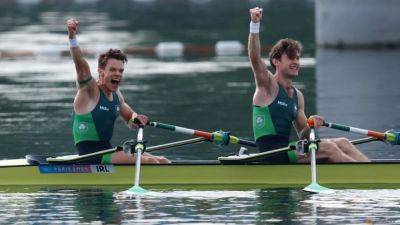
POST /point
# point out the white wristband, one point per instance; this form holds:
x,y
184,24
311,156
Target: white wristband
x,y
254,27
73,43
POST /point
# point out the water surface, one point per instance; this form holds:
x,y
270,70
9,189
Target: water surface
x,y
278,206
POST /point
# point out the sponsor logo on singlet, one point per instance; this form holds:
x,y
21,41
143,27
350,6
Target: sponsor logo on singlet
x,y
104,108
260,121
282,103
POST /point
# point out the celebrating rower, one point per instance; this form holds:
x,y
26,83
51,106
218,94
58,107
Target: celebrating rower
x,y
277,105
98,103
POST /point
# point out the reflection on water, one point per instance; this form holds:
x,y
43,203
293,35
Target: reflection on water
x,y
60,206
278,206
356,206
97,205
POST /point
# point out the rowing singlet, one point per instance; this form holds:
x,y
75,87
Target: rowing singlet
x,y
272,124
95,129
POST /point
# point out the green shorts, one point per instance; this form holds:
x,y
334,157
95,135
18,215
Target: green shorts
x,y
106,159
292,153
292,156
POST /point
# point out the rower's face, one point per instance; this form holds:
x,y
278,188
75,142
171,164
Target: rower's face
x,y
112,74
289,65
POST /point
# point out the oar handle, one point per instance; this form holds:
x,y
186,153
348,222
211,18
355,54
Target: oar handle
x,y
137,122
310,122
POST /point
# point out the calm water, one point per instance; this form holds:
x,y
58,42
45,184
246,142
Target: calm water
x,y
206,92
279,206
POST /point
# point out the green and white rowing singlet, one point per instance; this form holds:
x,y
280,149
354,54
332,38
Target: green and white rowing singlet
x,y
272,124
97,125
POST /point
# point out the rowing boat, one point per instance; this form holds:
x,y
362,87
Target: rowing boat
x,y
245,169
376,174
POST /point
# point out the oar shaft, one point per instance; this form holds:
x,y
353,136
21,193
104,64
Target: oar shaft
x,y
204,134
139,149
391,137
363,140
388,136
356,130
313,148
175,144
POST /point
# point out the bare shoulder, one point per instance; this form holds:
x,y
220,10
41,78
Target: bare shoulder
x,y
120,96
88,88
264,95
85,101
299,93
265,79
273,84
300,98
125,110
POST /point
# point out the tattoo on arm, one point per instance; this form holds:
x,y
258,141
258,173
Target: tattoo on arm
x,y
82,83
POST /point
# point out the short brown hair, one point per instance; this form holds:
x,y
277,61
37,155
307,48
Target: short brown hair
x,y
111,54
288,46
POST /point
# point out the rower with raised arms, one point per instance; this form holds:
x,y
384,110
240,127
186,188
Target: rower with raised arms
x,y
98,103
278,105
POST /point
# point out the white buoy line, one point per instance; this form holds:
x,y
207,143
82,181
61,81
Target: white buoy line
x,y
161,50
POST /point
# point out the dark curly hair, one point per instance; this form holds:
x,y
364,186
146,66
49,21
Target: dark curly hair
x,y
111,54
289,46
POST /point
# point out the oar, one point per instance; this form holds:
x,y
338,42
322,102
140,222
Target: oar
x,y
224,137
139,148
392,138
74,158
363,140
314,187
262,155
175,144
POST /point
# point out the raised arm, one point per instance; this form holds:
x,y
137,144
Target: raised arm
x,y
88,93
84,77
265,83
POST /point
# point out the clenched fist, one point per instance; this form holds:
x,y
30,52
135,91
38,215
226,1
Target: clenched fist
x,y
256,14
72,26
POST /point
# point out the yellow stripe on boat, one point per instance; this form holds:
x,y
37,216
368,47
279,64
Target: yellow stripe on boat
x,y
374,174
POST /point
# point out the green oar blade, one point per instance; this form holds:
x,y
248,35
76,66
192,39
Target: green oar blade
x,y
316,188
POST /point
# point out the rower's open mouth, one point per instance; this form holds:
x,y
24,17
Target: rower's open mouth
x,y
114,81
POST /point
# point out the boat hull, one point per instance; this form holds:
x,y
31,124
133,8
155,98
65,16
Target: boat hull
x,y
382,174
